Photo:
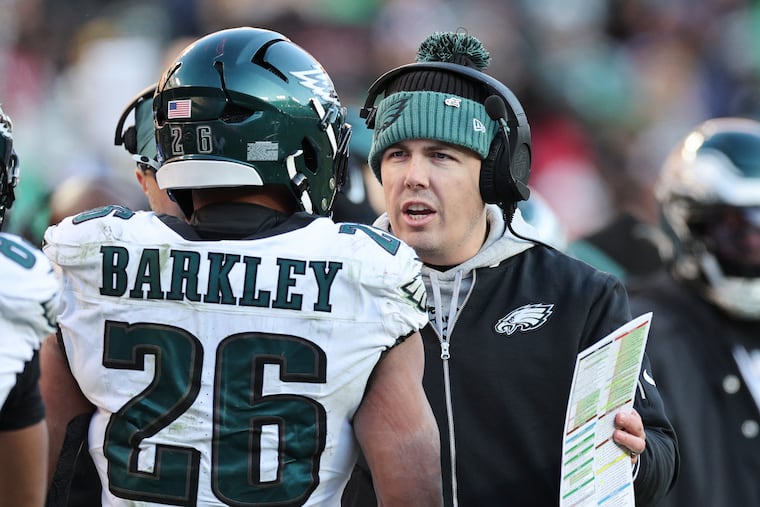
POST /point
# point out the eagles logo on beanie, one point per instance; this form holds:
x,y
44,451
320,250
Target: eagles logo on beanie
x,y
435,104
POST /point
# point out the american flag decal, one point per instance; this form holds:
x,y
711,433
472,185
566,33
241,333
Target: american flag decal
x,y
179,108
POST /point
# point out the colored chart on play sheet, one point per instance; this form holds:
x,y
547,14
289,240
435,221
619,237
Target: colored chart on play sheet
x,y
595,470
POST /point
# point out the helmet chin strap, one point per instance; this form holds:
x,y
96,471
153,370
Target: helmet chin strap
x,y
300,184
738,296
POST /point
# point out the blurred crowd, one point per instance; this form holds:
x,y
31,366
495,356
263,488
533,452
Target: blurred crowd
x,y
608,85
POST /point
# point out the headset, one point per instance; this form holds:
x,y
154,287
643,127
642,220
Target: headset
x,y
128,137
505,171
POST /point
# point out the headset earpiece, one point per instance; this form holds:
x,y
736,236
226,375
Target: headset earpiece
x,y
494,171
503,178
506,169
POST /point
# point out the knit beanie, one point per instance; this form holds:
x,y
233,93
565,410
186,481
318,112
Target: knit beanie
x,y
436,104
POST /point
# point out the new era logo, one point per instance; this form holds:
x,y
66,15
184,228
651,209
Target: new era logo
x,y
179,109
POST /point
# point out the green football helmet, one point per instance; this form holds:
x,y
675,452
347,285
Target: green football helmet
x,y
9,171
709,195
247,106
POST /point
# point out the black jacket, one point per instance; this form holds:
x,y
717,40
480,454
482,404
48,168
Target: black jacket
x,y
691,347
509,392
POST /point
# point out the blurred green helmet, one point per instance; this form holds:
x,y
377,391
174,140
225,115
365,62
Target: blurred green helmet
x,y
9,172
709,196
247,106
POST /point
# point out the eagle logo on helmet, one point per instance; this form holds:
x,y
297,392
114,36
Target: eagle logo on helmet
x,y
317,81
525,318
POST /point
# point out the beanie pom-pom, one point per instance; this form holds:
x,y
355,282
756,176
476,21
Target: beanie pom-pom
x,y
455,48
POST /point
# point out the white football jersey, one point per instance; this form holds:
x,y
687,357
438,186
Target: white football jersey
x,y
29,293
228,372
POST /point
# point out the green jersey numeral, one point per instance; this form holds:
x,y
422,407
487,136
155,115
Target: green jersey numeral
x,y
241,414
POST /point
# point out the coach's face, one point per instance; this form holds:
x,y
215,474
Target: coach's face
x,y
432,197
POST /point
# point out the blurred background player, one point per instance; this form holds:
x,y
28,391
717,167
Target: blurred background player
x,y
29,297
704,343
227,369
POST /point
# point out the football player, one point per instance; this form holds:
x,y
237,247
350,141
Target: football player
x,y
245,356
29,294
707,311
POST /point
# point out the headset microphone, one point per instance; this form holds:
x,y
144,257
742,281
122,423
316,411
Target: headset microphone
x,y
497,111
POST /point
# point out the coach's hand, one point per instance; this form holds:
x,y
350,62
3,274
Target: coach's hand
x,y
629,433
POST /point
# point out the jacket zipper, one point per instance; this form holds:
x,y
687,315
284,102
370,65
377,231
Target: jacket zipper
x,y
443,339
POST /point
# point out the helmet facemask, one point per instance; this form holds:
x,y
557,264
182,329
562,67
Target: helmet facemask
x,y
709,194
